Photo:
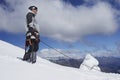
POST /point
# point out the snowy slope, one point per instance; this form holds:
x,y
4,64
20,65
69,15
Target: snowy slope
x,y
11,68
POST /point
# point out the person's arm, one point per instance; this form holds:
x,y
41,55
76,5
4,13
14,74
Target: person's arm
x,y
30,21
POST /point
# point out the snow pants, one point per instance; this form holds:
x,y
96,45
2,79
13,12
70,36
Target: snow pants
x,y
31,53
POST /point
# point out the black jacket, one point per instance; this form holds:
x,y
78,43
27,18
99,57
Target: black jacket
x,y
30,19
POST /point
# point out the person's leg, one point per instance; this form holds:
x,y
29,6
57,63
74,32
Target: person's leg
x,y
33,57
33,54
27,54
35,49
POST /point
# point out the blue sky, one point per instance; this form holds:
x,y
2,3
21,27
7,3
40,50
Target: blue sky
x,y
100,40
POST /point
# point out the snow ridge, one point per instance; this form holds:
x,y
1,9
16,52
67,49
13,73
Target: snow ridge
x,y
11,68
90,63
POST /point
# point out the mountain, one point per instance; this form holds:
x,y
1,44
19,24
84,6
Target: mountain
x,y
12,68
107,64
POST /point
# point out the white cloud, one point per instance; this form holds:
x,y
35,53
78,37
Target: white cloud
x,y
74,54
59,20
49,53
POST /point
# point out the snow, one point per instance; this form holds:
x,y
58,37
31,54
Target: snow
x,y
90,64
11,68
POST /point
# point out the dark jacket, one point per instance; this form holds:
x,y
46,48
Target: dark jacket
x,y
31,22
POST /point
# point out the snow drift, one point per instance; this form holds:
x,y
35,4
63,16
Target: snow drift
x,y
12,68
90,63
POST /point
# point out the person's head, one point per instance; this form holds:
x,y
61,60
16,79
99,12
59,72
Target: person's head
x,y
34,9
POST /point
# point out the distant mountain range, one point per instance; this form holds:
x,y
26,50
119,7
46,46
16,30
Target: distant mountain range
x,y
107,64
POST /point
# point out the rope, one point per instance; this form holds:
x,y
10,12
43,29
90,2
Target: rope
x,y
55,49
66,55
90,67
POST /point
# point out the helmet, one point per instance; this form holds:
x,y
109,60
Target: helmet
x,y
32,8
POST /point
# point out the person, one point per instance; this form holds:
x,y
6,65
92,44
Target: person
x,y
32,35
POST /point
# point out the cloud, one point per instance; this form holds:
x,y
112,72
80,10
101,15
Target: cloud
x,y
102,50
74,54
60,20
12,18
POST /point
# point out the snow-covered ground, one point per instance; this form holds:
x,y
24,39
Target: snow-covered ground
x,y
12,68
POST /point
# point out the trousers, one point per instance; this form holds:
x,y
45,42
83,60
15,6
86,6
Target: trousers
x,y
31,53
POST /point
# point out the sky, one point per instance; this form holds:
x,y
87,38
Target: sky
x,y
74,27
